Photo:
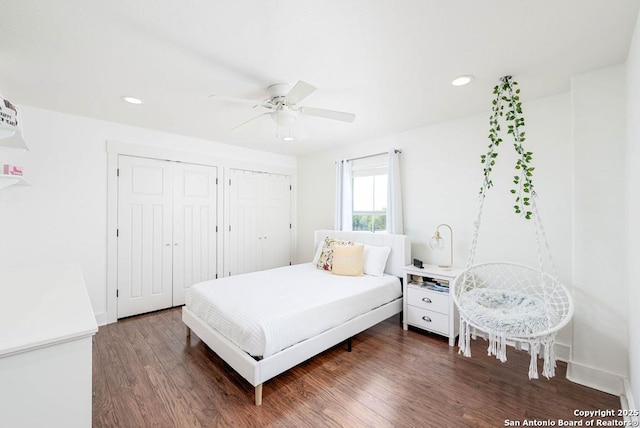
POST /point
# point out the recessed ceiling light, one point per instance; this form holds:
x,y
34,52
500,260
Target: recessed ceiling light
x,y
132,100
287,139
462,80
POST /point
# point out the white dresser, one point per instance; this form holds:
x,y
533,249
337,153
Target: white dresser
x,y
427,305
46,329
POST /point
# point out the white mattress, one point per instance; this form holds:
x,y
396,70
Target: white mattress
x,y
268,311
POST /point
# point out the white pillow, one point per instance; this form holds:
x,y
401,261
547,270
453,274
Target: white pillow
x,y
375,259
316,256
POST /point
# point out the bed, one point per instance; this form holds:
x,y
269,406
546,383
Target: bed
x,y
230,315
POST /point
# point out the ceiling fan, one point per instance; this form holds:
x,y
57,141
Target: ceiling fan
x,y
282,105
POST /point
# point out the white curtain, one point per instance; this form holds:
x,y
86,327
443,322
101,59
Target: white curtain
x,y
344,196
394,194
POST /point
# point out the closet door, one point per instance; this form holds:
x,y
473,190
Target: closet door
x,y
276,221
194,227
245,202
167,232
145,222
259,224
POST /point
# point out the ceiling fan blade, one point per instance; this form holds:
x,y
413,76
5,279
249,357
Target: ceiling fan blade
x,y
300,91
250,120
328,114
247,101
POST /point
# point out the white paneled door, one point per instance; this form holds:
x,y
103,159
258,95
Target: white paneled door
x,y
194,227
245,202
276,221
259,232
167,217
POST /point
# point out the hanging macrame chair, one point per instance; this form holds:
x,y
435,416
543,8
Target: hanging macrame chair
x,y
512,303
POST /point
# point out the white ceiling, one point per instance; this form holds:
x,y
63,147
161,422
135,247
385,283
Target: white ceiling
x,y
389,62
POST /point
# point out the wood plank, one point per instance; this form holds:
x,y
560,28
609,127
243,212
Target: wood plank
x,y
148,373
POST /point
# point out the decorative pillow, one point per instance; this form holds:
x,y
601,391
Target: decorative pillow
x,y
348,260
325,261
375,259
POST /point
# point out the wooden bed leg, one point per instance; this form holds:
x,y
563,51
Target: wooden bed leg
x,y
188,333
349,344
258,395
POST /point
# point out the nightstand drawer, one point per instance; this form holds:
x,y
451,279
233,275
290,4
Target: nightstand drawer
x,y
429,320
431,300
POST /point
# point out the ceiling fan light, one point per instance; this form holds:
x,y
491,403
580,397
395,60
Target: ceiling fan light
x,y
462,80
284,116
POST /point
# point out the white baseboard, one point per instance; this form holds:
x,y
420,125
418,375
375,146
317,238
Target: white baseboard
x,y
594,378
101,318
563,352
627,403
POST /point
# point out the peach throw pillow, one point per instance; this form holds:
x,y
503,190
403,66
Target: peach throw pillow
x,y
348,260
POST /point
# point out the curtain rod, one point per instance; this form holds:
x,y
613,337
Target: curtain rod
x,y
374,155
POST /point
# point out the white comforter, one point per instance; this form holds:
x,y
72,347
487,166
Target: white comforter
x,y
268,311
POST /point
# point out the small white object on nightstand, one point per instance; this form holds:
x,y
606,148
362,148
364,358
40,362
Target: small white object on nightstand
x,y
426,304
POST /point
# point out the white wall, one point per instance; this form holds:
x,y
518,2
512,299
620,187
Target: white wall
x,y
442,173
63,216
633,212
578,140
600,322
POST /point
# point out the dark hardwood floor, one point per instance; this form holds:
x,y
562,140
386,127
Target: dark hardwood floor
x,y
147,374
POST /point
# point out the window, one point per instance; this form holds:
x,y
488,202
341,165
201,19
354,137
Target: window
x,y
369,193
369,186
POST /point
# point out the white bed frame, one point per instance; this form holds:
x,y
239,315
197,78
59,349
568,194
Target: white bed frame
x,y
256,372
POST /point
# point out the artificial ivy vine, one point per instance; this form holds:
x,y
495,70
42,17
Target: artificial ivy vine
x,y
505,93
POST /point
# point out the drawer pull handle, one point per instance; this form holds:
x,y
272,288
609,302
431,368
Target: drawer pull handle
x,y
426,318
426,300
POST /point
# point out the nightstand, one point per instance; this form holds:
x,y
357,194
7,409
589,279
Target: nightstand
x,y
427,302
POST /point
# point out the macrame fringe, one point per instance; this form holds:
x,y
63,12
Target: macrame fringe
x,y
464,340
549,368
547,346
534,350
498,347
